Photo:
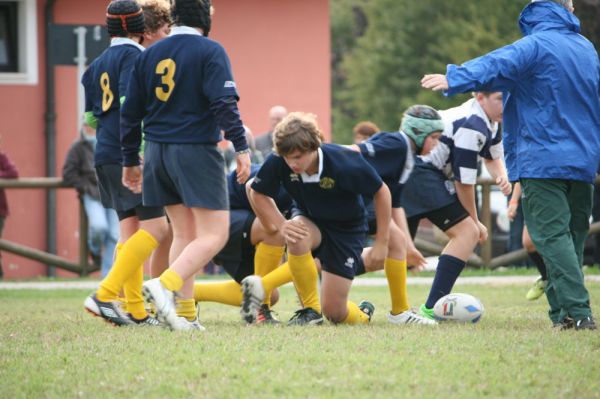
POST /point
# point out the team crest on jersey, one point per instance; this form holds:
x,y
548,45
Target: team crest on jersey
x,y
448,306
229,83
294,177
349,263
326,183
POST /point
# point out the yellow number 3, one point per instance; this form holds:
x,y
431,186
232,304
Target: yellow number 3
x,y
166,68
107,94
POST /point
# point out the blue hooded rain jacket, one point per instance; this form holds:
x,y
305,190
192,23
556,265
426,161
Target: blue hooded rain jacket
x,y
551,84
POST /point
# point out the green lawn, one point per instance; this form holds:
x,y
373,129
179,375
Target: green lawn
x,y
51,348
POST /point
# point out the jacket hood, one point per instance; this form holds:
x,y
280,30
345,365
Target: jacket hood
x,y
547,15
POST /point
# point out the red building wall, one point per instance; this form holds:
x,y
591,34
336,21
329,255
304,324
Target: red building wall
x,y
280,52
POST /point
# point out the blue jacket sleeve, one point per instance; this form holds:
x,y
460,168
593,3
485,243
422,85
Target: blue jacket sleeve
x,y
499,70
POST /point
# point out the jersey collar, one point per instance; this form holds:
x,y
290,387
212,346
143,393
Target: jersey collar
x,y
317,176
184,30
120,41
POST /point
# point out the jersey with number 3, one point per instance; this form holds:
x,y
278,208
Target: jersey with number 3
x,y
172,86
105,82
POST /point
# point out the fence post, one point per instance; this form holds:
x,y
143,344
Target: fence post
x,y
83,240
486,219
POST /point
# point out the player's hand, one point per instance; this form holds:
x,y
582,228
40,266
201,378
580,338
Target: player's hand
x,y
435,82
483,233
415,259
294,230
132,178
242,169
512,210
376,257
504,184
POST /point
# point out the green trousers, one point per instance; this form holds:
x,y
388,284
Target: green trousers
x,y
557,214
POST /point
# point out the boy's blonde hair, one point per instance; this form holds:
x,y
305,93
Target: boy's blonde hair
x,y
298,131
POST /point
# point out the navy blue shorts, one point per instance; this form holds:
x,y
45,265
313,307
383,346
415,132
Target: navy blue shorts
x,y
340,251
444,218
188,174
237,257
113,194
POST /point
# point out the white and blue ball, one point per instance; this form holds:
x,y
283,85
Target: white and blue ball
x,y
462,308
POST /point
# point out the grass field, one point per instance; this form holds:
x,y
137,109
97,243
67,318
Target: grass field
x,y
51,348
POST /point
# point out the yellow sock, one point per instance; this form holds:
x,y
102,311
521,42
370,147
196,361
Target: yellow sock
x,y
133,293
171,280
277,278
228,292
355,315
266,259
304,273
131,257
395,271
121,297
186,308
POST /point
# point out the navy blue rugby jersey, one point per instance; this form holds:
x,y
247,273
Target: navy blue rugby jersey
x,y
427,189
105,82
172,87
390,154
333,195
238,199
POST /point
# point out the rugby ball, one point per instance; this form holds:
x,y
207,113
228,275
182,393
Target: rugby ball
x,y
463,308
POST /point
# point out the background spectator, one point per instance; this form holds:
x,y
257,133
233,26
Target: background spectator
x,y
79,172
264,143
8,170
363,130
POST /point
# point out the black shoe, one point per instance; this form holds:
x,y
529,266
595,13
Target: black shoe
x,y
265,315
306,317
565,324
367,308
96,260
585,324
109,311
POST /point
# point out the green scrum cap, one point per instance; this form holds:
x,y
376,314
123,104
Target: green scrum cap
x,y
419,121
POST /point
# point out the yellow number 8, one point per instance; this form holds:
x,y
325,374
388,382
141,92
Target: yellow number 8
x,y
166,68
107,94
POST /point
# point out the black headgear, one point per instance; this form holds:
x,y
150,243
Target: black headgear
x,y
124,17
193,13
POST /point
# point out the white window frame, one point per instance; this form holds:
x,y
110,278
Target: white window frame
x,y
28,46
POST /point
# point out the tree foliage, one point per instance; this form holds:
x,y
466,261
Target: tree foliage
x,y
379,60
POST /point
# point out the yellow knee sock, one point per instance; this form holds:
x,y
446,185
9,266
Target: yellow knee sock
x,y
266,259
395,271
131,257
171,280
304,273
228,292
121,296
277,278
186,308
133,294
355,315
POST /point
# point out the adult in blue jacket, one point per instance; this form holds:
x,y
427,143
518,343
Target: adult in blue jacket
x,y
551,80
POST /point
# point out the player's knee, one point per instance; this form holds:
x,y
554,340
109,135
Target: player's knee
x,y
334,315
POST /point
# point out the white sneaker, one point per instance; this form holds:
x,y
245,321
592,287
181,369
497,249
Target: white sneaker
x,y
409,317
184,324
164,303
253,295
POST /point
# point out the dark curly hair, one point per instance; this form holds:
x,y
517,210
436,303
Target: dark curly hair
x,y
124,17
194,13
